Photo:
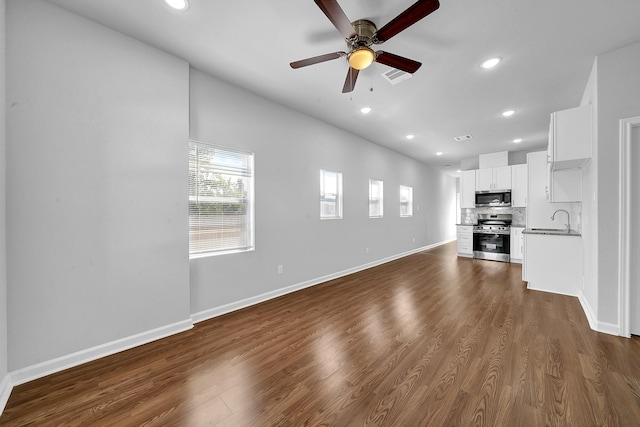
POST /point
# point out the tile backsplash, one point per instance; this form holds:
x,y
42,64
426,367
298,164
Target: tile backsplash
x,y
470,215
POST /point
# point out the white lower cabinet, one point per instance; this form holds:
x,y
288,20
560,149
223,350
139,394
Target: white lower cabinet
x,y
465,240
517,244
553,263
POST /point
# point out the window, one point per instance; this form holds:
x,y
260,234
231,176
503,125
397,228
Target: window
x,y
220,200
376,202
406,201
330,195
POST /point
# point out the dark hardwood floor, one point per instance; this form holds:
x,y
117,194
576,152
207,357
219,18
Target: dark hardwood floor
x,y
427,340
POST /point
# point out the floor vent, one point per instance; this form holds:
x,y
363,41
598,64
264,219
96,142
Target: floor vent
x,y
395,76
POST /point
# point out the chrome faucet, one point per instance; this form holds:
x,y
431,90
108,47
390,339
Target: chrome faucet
x,y
553,217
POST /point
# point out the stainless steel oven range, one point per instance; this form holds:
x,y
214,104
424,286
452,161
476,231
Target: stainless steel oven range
x,y
492,237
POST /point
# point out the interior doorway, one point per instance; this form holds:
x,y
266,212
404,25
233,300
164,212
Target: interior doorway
x,y
629,231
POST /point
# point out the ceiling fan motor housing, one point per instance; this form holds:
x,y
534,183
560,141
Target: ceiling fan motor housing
x,y
365,30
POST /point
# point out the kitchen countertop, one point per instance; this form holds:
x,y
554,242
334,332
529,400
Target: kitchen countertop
x,y
551,231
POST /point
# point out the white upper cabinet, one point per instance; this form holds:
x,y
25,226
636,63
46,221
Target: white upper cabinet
x,y
502,178
563,185
484,179
570,133
468,189
493,179
519,182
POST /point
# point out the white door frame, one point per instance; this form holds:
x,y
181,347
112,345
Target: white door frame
x,y
624,266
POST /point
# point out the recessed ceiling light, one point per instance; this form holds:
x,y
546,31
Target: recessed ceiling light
x,y
517,140
439,153
459,170
490,63
411,136
508,113
365,110
181,5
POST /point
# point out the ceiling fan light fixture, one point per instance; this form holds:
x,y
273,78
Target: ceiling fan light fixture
x,y
361,58
180,5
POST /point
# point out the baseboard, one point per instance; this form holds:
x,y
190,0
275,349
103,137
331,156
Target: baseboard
x,y
5,391
604,327
608,328
588,311
43,369
237,305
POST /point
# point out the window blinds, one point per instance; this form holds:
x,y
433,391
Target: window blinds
x,y
220,199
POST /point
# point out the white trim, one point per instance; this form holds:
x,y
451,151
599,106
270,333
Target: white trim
x,y
237,305
48,367
5,391
608,328
624,224
588,311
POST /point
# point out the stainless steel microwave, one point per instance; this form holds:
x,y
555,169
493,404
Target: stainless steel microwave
x,y
493,198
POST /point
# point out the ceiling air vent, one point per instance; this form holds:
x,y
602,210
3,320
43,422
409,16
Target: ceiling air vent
x,y
395,76
462,138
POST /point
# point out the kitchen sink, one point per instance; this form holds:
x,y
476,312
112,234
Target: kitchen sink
x,y
551,230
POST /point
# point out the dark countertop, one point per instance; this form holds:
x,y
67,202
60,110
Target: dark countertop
x,y
551,231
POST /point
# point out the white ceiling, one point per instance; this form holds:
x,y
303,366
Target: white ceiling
x,y
548,48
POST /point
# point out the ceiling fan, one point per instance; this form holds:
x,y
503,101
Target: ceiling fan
x,y
361,34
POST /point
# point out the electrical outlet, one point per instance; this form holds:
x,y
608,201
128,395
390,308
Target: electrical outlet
x,y
414,240
280,269
366,250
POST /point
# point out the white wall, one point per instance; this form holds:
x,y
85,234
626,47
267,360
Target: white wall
x,y
589,294
97,133
290,150
618,98
3,192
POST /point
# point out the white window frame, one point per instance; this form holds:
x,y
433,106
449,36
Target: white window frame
x,y
223,223
376,196
409,192
330,194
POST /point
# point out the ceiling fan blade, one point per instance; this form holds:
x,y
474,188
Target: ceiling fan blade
x,y
405,64
336,15
350,82
413,14
316,59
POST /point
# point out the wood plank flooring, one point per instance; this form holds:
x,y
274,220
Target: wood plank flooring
x,y
427,340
